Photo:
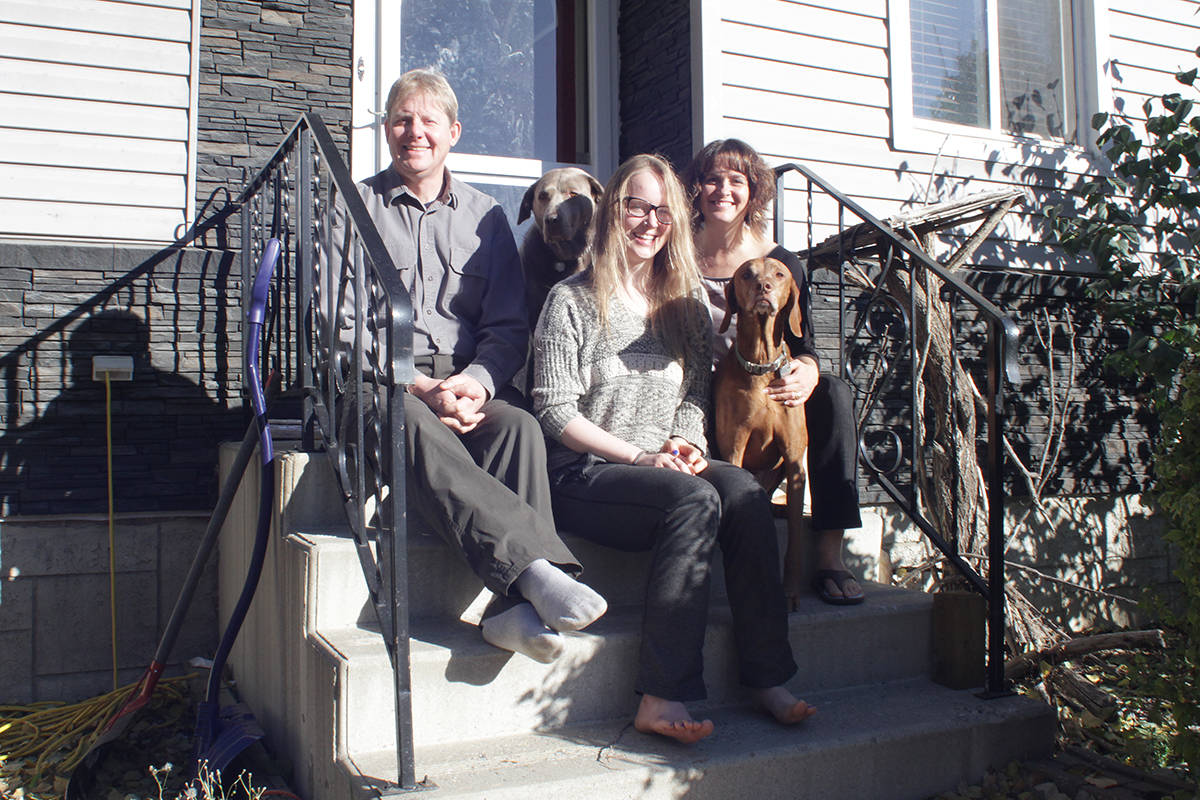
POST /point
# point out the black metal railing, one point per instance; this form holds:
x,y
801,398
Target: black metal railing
x,y
888,293
339,333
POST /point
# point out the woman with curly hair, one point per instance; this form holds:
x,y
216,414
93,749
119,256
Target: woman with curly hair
x,y
731,188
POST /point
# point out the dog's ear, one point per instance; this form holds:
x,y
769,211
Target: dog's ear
x,y
527,203
788,316
731,306
597,188
795,318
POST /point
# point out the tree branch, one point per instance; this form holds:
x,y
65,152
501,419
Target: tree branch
x,y
1022,665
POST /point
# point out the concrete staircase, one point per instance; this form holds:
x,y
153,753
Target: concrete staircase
x,y
489,724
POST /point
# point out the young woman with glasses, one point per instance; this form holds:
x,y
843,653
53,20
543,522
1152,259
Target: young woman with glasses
x,y
622,359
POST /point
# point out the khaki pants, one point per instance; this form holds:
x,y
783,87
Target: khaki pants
x,y
485,492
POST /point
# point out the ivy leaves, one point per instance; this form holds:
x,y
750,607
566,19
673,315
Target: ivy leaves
x,y
1141,224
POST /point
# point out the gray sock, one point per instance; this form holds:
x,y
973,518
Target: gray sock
x,y
562,602
520,630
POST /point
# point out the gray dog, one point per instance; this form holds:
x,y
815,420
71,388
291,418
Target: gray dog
x,y
561,202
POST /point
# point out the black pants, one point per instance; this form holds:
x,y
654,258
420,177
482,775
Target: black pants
x,y
832,455
485,492
680,518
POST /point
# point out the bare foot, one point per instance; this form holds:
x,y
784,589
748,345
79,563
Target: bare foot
x,y
671,719
783,705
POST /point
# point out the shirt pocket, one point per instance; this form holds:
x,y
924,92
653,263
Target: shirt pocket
x,y
466,279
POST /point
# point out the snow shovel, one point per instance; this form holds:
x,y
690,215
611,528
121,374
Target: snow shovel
x,y
223,733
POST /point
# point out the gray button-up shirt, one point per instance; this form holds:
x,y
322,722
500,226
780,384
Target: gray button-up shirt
x,y
459,261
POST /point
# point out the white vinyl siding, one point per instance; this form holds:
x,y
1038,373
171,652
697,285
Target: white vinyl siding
x,y
97,99
809,82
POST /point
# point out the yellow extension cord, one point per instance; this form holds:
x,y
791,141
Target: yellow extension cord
x,y
112,549
60,735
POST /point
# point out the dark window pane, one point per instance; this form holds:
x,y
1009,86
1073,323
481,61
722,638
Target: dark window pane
x,y
510,67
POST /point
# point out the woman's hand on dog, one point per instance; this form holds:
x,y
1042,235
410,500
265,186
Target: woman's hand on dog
x,y
794,387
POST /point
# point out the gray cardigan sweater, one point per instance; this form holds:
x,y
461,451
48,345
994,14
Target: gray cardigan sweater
x,y
620,377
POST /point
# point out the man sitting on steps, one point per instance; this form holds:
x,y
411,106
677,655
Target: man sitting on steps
x,y
476,459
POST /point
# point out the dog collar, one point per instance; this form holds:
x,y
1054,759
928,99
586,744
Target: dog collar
x,y
760,369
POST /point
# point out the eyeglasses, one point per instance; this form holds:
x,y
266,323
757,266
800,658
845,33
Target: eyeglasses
x,y
638,208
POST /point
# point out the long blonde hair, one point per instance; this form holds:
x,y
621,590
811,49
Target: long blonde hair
x,y
674,273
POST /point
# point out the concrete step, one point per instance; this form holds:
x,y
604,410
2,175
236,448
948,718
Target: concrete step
x,y
489,724
890,741
458,673
442,587
440,584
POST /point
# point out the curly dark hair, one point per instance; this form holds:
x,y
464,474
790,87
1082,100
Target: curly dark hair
x,y
736,155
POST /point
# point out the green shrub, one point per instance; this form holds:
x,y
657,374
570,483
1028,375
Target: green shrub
x,y
1152,194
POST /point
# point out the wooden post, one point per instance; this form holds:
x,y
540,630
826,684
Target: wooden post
x,y
958,639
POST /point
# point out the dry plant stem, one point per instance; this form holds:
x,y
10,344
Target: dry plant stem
x,y
1060,581
1109,764
1026,663
949,401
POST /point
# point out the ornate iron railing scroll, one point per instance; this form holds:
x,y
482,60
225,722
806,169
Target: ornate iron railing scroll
x,y
340,333
879,354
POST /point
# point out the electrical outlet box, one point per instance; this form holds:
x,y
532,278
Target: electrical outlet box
x,y
118,368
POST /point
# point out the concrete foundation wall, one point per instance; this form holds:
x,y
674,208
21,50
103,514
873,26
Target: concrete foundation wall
x,y
54,609
1083,561
55,631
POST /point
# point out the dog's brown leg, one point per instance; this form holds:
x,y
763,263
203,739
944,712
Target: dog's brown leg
x,y
795,446
794,557
737,448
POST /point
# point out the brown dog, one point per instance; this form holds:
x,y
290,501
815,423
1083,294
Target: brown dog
x,y
561,202
753,431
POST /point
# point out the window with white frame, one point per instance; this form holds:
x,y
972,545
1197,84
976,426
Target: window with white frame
x,y
531,76
1002,67
519,69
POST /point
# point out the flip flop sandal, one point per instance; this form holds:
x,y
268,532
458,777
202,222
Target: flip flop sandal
x,y
839,577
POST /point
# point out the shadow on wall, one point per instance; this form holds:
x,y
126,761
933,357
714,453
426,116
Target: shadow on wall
x,y
165,425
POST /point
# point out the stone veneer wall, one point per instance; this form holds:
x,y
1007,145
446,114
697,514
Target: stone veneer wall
x,y
176,312
261,65
1108,435
656,79
174,315
1096,530
178,315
